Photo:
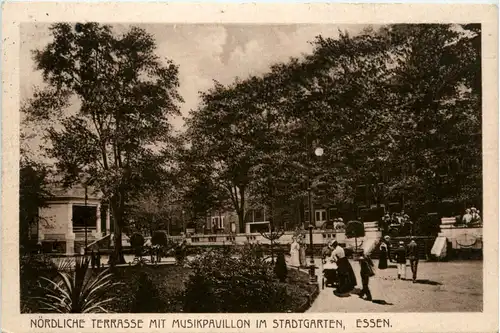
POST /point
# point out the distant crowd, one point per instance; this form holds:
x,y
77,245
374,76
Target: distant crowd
x,y
471,217
396,220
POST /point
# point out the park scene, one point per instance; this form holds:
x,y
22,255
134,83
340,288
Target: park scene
x,y
262,168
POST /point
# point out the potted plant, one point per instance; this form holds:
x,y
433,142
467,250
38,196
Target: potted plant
x,y
355,229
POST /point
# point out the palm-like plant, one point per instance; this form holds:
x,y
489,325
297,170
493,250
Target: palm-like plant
x,y
77,291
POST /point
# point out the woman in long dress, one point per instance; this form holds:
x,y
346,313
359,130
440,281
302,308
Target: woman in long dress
x,y
294,253
302,252
347,278
382,262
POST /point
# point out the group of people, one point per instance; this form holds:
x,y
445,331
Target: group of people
x,y
338,223
396,220
471,217
298,252
401,255
345,273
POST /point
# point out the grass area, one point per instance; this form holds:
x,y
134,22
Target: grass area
x,y
168,280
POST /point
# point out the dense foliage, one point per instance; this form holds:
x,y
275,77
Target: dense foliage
x,y
354,229
32,268
222,283
77,290
118,139
147,297
397,111
33,194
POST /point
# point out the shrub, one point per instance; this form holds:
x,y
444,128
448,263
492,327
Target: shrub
x,y
280,268
199,296
137,243
32,268
147,298
181,253
221,283
160,238
77,291
355,229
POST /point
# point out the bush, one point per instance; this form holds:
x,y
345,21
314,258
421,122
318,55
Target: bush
x,y
160,238
136,240
77,291
280,268
137,243
147,298
181,253
221,283
162,286
355,229
32,268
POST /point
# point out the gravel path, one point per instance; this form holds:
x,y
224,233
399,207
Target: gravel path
x,y
441,287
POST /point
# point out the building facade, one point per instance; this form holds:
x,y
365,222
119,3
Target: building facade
x,y
72,218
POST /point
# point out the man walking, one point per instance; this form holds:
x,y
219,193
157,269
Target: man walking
x,y
413,256
400,255
366,272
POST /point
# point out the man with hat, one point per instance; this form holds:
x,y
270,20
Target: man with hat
x,y
475,216
413,256
400,255
366,265
386,221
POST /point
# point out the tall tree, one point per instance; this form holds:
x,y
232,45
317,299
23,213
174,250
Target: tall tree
x,y
228,133
119,135
437,113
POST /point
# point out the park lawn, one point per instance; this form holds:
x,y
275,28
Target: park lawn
x,y
169,282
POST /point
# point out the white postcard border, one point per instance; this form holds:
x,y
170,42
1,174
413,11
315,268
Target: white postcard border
x,y
16,13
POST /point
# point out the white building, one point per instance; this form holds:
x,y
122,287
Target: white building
x,y
68,215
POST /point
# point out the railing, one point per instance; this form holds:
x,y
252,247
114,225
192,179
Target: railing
x,y
82,229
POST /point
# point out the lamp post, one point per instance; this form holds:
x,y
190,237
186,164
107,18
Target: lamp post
x,y
86,180
86,217
183,222
313,278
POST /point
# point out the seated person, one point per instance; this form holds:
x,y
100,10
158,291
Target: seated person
x,y
467,218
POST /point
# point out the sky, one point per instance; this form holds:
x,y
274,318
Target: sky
x,y
204,52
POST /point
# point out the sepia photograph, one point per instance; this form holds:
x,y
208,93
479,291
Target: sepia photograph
x,y
250,168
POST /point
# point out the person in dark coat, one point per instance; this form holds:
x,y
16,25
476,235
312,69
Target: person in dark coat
x,y
413,256
366,272
384,253
401,260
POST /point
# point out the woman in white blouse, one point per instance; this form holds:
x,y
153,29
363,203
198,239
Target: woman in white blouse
x,y
347,279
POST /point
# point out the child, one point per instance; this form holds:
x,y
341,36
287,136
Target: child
x,y
366,272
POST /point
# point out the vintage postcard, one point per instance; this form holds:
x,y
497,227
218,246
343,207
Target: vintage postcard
x,y
249,168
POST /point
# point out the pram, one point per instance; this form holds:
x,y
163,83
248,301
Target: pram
x,y
330,275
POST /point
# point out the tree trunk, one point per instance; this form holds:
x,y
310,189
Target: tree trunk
x,y
241,213
118,223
